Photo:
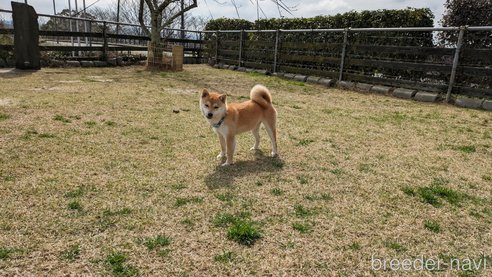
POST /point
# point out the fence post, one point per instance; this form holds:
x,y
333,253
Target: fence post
x,y
344,51
217,47
200,51
240,47
105,42
90,38
455,62
70,24
26,37
275,54
56,29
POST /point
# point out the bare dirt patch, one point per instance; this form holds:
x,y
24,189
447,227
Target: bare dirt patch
x,y
7,101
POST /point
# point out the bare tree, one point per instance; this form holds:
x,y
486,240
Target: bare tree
x,y
103,13
196,23
162,14
282,6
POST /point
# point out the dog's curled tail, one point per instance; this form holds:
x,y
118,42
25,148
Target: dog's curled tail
x,y
261,95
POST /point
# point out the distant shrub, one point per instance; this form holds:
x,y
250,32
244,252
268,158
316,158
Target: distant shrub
x,y
409,17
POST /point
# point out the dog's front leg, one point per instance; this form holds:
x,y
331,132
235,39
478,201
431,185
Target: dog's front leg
x,y
230,147
222,147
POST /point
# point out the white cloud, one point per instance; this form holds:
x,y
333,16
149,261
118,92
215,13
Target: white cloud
x,y
247,10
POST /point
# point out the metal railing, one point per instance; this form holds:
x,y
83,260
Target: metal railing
x,y
102,21
104,36
457,66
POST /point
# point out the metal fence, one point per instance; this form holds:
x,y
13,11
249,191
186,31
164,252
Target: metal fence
x,y
63,37
447,60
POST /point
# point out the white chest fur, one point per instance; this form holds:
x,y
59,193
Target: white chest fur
x,y
222,130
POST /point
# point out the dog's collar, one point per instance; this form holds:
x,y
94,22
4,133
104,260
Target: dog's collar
x,y
217,125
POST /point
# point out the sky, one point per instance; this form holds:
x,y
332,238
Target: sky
x,y
247,8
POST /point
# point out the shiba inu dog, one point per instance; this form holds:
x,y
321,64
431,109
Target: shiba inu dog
x,y
229,120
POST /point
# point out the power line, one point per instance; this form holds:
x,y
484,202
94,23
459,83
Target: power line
x,y
76,14
263,12
278,8
206,4
235,6
257,10
283,6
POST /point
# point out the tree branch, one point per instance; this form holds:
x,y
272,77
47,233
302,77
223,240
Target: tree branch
x,y
166,3
178,14
141,19
150,5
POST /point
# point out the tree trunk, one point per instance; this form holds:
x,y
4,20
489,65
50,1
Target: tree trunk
x,y
155,46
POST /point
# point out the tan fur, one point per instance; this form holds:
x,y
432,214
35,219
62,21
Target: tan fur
x,y
240,118
261,95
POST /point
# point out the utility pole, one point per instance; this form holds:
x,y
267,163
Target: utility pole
x,y
77,23
182,20
85,22
118,17
117,20
56,23
70,23
257,10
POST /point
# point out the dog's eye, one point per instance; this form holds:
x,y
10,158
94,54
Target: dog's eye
x,y
206,105
216,108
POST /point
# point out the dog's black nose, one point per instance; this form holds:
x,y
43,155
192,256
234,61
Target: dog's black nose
x,y
210,115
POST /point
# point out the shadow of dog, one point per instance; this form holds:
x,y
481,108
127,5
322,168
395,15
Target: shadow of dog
x,y
224,176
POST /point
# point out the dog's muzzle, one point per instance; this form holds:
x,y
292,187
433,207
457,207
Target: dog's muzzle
x,y
210,115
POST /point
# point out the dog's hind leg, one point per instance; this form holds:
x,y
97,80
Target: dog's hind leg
x,y
271,128
256,134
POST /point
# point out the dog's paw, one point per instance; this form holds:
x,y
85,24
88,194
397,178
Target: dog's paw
x,y
226,164
220,156
254,148
274,154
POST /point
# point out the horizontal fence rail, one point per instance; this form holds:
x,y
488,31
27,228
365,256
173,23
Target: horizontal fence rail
x,y
86,38
101,21
422,58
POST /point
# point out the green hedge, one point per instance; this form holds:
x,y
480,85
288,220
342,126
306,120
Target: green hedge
x,y
229,24
409,17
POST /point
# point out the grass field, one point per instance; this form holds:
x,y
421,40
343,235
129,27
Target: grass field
x,y
99,176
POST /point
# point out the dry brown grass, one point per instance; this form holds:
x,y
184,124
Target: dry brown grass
x,y
96,158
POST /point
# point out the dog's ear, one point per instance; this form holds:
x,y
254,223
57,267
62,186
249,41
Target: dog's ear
x,y
205,93
223,98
